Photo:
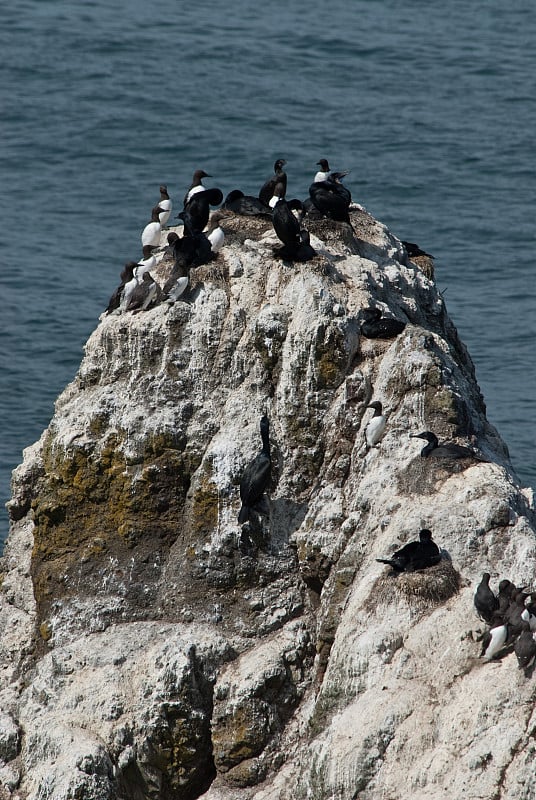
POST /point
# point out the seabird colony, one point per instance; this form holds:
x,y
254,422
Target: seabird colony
x,y
510,615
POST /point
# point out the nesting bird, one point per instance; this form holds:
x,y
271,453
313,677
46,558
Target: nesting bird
x,y
486,602
415,555
447,450
374,326
331,198
246,205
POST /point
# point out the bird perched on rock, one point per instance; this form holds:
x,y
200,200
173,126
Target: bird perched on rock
x,y
256,477
196,184
296,242
150,235
127,275
331,198
493,641
376,427
144,295
415,555
486,602
525,648
215,233
165,204
374,326
147,263
197,210
246,205
276,185
447,450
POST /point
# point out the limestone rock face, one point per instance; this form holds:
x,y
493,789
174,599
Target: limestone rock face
x,y
153,648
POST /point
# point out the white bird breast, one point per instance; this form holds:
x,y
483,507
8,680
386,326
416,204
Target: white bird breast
x,y
375,429
151,234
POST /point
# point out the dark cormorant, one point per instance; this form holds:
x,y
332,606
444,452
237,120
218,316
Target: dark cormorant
x,y
197,210
256,477
331,198
278,180
448,450
375,326
415,555
246,205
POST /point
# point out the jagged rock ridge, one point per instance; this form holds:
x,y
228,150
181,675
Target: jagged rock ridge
x,y
153,649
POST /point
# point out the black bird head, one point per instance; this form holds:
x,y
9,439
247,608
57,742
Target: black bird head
x,y
372,314
428,435
324,164
425,535
279,164
376,405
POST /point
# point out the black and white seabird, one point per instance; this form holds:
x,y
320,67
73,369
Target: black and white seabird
x,y
165,204
493,641
415,555
127,274
376,427
256,477
151,233
374,326
447,450
196,185
486,602
246,205
507,592
324,172
147,263
144,295
276,185
215,233
331,198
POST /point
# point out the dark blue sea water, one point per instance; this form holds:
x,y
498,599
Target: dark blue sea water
x,y
432,106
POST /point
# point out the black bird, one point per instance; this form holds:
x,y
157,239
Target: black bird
x,y
127,273
331,198
415,555
448,450
197,210
525,648
278,180
486,602
246,205
507,591
375,326
286,226
414,251
256,477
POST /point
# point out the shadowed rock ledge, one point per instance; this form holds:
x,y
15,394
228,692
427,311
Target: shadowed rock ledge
x,y
151,648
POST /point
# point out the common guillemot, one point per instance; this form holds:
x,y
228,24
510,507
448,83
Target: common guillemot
x,y
277,181
151,233
376,427
165,204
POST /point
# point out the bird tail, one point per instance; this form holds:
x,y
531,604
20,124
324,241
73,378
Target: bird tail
x,y
243,516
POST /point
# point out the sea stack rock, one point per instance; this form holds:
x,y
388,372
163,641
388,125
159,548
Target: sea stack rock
x,y
150,648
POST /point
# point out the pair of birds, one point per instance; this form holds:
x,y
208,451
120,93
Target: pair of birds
x,y
511,616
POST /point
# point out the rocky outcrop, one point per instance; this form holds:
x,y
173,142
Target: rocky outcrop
x,y
153,648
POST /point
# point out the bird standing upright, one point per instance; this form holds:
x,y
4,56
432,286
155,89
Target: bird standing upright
x,y
256,477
